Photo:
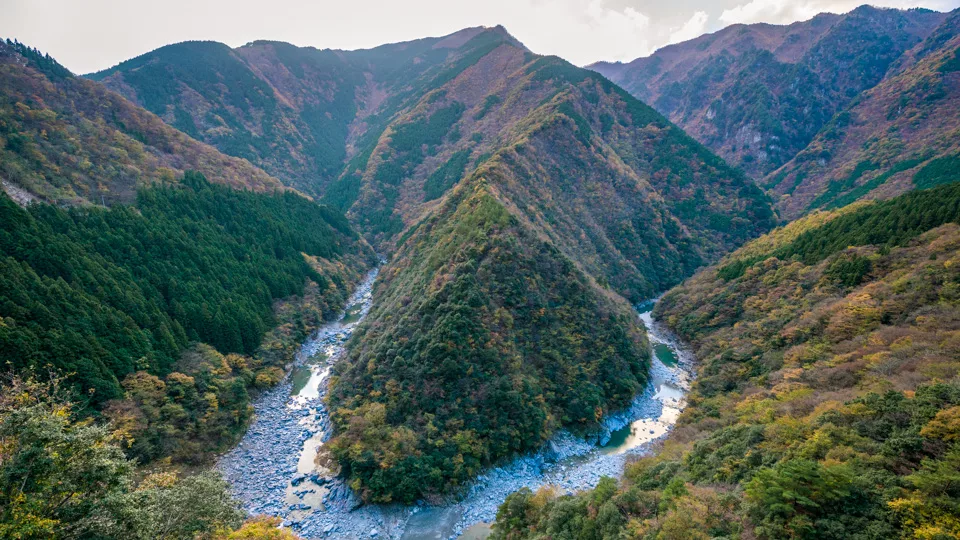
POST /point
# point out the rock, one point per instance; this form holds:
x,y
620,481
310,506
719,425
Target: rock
x,y
373,533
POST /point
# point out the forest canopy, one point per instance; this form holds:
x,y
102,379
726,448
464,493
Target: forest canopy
x,y
101,293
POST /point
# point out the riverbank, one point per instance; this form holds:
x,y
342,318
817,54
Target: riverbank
x,y
273,470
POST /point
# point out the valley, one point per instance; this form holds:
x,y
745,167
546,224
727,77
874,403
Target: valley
x,y
275,469
453,288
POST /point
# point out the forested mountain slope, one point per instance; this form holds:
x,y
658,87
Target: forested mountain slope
x,y
611,182
904,133
827,394
297,112
758,94
500,317
118,299
133,335
484,340
68,140
383,133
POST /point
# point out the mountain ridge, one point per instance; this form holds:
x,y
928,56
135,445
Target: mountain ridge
x,y
68,140
571,183
758,94
306,132
899,135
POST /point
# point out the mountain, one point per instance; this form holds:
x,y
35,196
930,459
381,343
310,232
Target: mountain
x,y
524,203
122,299
171,298
826,398
758,94
403,130
527,199
65,139
484,340
902,134
433,110
296,112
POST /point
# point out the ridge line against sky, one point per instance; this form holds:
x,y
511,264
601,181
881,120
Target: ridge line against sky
x,y
91,35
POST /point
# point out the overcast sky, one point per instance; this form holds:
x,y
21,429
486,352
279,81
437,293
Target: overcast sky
x,y
89,35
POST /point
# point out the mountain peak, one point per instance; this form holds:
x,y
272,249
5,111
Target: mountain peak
x,y
462,37
33,57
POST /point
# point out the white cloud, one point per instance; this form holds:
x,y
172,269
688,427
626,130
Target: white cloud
x,y
577,30
773,11
788,11
691,29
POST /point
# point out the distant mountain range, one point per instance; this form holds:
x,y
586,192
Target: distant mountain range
x,y
299,113
903,133
409,120
764,97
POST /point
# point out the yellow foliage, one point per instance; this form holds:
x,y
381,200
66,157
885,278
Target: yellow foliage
x,y
858,314
687,521
756,409
258,528
923,520
23,524
157,480
945,426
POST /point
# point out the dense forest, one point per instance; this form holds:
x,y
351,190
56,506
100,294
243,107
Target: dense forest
x,y
500,318
826,402
114,297
494,341
62,477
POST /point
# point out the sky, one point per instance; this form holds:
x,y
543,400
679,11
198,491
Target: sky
x,y
90,35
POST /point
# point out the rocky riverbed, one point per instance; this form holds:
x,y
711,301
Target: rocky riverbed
x,y
273,470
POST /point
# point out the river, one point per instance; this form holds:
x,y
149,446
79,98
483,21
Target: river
x,y
274,469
